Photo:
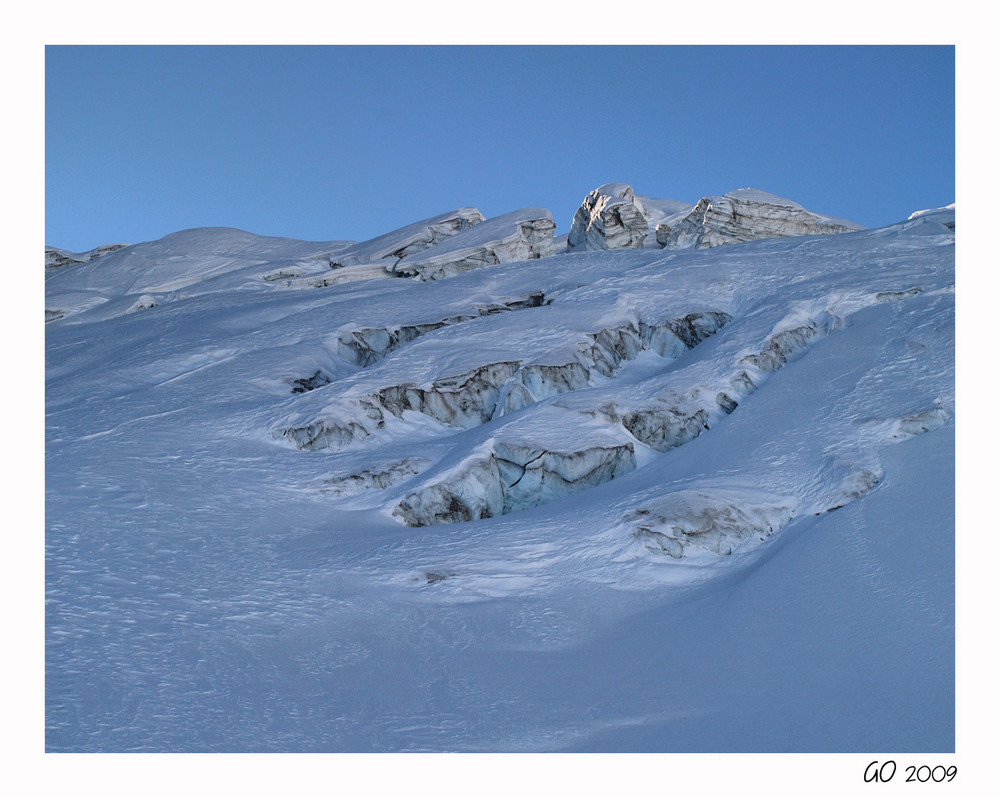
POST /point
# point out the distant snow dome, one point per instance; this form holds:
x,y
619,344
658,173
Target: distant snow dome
x,y
937,211
944,216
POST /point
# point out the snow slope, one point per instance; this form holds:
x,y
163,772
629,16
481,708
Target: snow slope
x,y
620,500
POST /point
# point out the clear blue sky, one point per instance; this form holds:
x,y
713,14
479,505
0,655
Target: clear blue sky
x,y
348,142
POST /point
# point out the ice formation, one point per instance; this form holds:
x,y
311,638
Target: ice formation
x,y
461,487
745,215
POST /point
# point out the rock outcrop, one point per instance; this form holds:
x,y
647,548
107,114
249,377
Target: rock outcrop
x,y
745,215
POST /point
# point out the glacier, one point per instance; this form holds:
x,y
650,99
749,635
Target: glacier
x,y
744,215
679,481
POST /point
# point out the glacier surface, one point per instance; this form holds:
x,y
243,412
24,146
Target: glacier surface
x,y
464,488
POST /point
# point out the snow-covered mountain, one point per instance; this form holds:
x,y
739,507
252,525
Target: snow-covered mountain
x,y
468,486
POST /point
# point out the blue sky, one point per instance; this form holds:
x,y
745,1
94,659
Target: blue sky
x,y
347,142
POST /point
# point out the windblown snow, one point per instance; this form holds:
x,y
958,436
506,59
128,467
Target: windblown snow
x,y
681,482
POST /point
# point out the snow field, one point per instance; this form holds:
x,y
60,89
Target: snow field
x,y
621,500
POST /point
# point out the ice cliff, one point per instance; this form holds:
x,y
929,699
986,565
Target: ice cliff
x,y
745,215
408,240
612,216
521,235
